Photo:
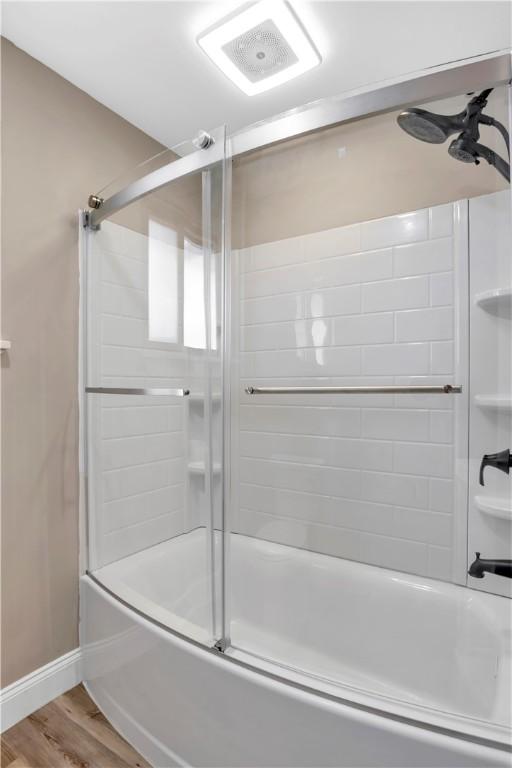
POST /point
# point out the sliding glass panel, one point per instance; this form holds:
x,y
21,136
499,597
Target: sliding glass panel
x,y
349,508
153,403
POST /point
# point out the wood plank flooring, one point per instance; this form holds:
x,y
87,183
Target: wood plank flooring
x,y
69,732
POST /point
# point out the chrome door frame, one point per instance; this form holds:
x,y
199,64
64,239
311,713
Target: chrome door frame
x,y
429,85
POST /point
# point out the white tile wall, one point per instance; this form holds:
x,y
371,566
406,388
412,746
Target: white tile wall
x,y
137,494
368,478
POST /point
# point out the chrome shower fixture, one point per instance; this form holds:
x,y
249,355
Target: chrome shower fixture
x,y
435,129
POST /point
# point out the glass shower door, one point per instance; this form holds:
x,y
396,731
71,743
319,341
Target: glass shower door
x,y
153,370
349,391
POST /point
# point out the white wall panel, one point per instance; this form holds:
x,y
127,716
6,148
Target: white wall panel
x,y
364,477
137,445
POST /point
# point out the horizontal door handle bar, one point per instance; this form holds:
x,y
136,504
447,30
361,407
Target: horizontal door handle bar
x,y
131,391
444,389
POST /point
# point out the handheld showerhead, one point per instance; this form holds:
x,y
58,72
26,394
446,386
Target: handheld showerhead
x,y
427,126
466,150
463,149
435,129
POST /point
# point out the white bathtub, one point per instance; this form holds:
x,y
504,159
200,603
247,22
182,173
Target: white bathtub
x,y
351,665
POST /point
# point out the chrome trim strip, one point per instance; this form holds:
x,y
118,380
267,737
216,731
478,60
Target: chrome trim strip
x,y
183,166
133,391
444,389
438,83
299,686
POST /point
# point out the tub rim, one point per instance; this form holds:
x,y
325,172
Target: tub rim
x,y
266,670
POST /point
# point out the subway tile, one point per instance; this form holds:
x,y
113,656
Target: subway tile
x,y
393,424
405,293
424,324
440,563
121,270
423,258
126,362
331,422
443,357
123,331
345,300
121,300
112,238
145,420
270,255
420,525
441,289
131,451
441,426
387,488
322,451
136,509
396,359
134,538
342,270
297,477
333,361
365,547
441,495
328,540
317,508
396,554
120,483
301,362
318,245
363,329
272,309
441,221
295,335
394,230
117,361
423,459
332,242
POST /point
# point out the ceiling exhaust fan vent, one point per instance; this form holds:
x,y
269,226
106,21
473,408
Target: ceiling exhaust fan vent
x,y
260,52
261,46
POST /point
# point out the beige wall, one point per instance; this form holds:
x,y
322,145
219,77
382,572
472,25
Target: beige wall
x,y
58,145
303,185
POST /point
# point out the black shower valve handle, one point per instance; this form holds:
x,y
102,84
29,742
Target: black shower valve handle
x,y
501,461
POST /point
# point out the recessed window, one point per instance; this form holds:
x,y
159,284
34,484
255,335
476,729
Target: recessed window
x,y
163,288
195,288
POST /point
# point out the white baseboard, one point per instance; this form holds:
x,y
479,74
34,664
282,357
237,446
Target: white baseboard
x,y
33,691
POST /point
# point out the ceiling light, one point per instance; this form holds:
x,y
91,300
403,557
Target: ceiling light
x,y
260,47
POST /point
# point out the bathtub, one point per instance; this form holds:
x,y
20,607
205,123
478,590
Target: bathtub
x,y
332,662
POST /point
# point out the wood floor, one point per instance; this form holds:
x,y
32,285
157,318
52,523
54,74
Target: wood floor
x,y
70,732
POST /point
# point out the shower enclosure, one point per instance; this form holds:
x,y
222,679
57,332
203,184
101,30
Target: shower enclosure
x,y
296,352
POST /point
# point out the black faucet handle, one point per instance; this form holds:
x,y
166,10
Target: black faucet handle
x,y
501,461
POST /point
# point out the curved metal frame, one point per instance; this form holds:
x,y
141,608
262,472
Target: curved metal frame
x,y
441,82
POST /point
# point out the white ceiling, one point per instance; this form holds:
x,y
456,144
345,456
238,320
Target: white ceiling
x,y
141,59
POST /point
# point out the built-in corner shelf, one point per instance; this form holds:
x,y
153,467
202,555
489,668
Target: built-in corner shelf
x,y
496,298
495,507
496,402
